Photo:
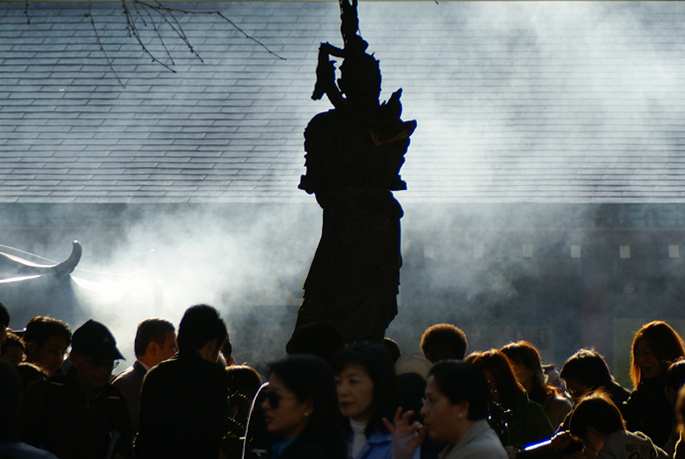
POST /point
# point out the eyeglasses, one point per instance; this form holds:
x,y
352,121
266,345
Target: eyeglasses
x,y
429,403
275,399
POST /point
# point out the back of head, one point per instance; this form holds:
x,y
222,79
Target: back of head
x,y
243,379
4,316
588,368
675,375
376,362
598,411
40,329
444,341
201,324
665,343
392,348
499,366
463,382
310,378
151,330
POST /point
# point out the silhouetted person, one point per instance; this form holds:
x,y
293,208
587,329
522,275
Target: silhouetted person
x,y
183,400
4,323
442,342
80,415
155,342
46,342
587,371
354,155
243,384
13,349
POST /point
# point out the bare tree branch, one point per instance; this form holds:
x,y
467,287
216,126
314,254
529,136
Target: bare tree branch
x,y
102,48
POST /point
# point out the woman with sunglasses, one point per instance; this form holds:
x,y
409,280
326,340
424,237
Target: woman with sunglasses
x,y
368,398
301,411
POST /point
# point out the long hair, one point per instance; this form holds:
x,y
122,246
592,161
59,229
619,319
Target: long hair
x,y
667,346
310,378
499,365
524,354
376,362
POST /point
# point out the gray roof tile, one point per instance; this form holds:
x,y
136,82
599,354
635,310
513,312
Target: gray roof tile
x,y
531,111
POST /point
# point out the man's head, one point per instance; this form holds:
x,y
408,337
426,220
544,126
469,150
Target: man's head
x,y
444,341
4,323
593,418
585,371
46,342
202,329
155,341
13,349
93,355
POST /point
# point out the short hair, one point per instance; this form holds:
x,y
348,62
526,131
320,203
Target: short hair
x,y
500,366
445,335
151,330
13,341
461,381
376,362
201,324
675,375
40,329
30,373
666,344
587,367
598,411
4,315
310,378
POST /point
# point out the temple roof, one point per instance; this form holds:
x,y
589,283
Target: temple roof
x,y
578,102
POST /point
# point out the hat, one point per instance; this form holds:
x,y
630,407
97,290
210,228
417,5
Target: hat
x,y
413,364
96,341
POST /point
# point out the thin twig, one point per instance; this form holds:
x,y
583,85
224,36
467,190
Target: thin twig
x,y
133,31
221,15
26,12
159,34
102,48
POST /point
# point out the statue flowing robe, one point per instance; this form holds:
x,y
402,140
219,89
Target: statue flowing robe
x,y
353,161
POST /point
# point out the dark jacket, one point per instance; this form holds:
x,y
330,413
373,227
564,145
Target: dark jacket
x,y
182,409
58,416
649,411
130,382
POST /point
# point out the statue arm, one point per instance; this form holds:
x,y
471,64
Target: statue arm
x,y
325,75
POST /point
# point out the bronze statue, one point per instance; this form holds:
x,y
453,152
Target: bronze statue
x,y
353,157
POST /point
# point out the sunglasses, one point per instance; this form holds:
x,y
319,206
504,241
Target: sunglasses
x,y
275,399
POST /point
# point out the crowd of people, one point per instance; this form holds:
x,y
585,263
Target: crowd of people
x,y
186,397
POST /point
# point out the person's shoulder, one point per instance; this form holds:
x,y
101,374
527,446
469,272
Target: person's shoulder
x,y
126,376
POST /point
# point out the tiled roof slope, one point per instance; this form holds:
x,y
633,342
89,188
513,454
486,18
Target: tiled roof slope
x,y
516,102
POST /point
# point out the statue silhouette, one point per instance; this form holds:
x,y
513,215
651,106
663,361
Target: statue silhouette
x,y
353,157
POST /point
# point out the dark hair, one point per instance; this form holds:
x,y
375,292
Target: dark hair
x,y
598,411
499,365
525,354
376,362
667,346
4,315
463,382
310,378
13,340
675,375
30,373
587,367
40,329
393,349
151,330
243,379
200,324
446,335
